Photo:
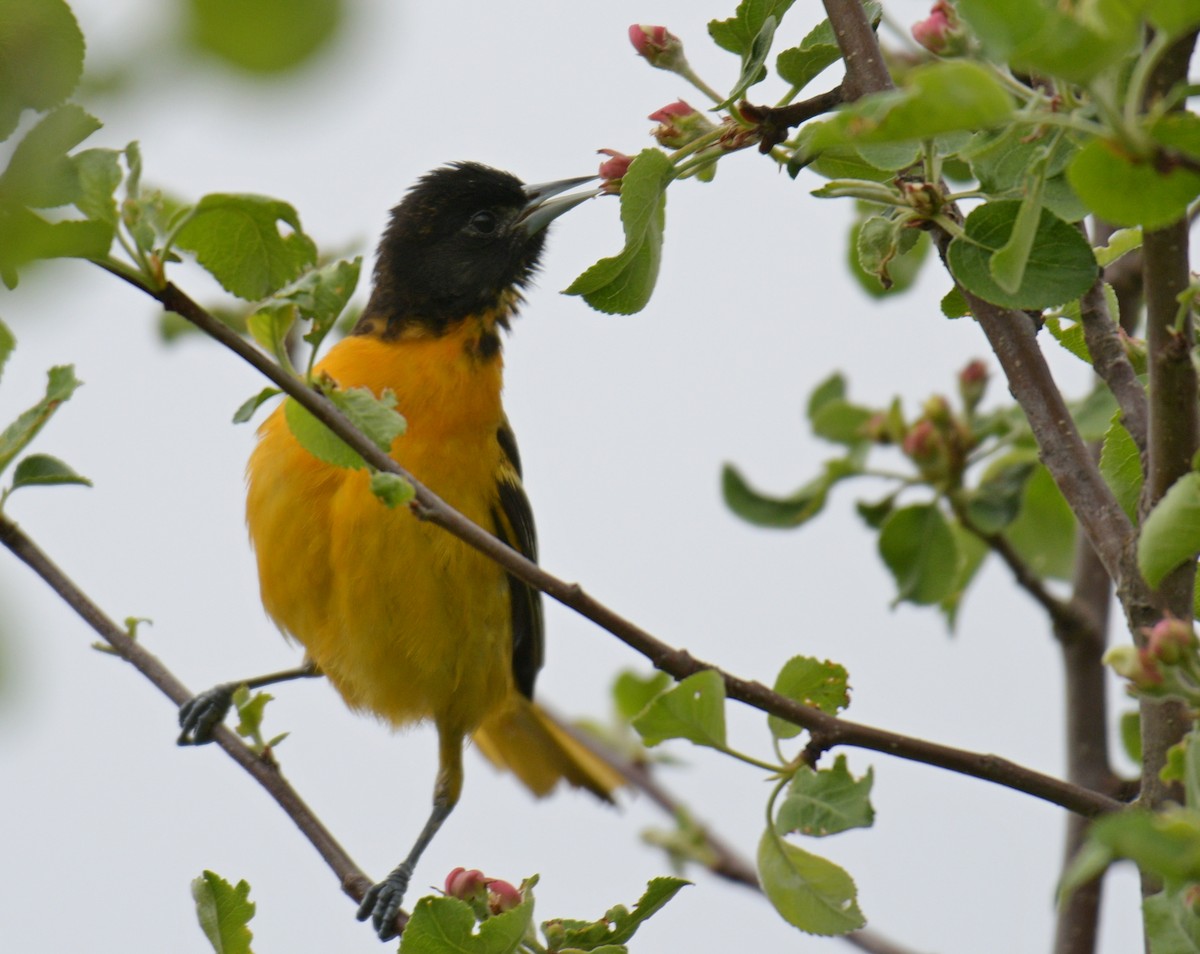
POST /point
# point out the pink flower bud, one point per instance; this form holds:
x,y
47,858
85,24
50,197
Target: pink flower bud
x,y
1137,666
921,441
1168,639
658,46
679,124
502,896
613,169
466,883
972,383
941,32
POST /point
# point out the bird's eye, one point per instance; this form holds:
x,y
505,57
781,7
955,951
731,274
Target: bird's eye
x,y
483,223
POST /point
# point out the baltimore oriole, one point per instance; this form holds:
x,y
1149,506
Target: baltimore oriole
x,y
405,620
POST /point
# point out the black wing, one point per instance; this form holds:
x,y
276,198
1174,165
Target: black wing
x,y
514,525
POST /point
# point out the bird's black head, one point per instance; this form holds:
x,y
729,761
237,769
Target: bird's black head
x,y
465,240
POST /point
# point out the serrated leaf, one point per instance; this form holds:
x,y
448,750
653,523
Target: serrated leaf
x,y
918,546
693,710
41,57
1171,532
224,912
447,926
1172,921
27,237
1059,268
237,239
99,173
810,892
738,32
1070,335
623,283
40,174
826,802
320,296
632,692
392,489
45,471
60,385
376,417
246,410
1121,468
619,924
811,682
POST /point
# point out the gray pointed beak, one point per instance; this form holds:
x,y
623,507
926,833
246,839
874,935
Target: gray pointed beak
x,y
543,208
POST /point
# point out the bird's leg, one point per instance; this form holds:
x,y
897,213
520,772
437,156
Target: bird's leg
x,y
382,901
201,714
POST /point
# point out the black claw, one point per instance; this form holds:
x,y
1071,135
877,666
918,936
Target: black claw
x,y
382,903
201,714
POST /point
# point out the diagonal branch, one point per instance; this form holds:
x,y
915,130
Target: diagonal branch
x,y
827,730
1111,363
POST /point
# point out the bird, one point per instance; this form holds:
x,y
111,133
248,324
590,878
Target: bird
x,y
406,621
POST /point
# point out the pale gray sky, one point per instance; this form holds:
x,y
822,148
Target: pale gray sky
x,y
623,422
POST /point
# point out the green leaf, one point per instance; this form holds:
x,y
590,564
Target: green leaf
x,y
810,892
1172,921
60,385
1044,532
250,710
919,547
1007,265
885,256
447,926
224,912
842,422
44,470
1131,190
321,295
8,343
1072,43
971,553
266,36
938,98
1166,844
811,682
319,440
250,405
618,925
1060,265
996,502
1001,158
1173,17
826,802
764,511
392,489
737,34
954,304
800,65
693,710
1070,336
237,239
833,388
632,692
1120,243
99,174
753,69
1131,735
41,57
40,174
622,284
1121,468
26,237
375,416
269,327
1171,533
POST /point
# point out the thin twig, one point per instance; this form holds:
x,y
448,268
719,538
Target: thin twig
x,y
774,122
352,879
828,731
1112,364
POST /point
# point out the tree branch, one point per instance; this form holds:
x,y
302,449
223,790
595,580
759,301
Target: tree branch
x,y
866,71
1111,363
774,122
827,730
264,771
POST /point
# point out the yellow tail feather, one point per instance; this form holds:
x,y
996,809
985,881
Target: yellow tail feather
x,y
525,739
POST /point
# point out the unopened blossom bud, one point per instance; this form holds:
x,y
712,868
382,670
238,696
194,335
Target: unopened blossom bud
x,y
1137,666
1168,640
941,32
613,169
679,124
466,884
658,46
937,409
921,442
972,384
502,896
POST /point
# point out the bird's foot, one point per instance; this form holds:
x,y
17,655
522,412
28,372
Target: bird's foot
x,y
201,714
382,902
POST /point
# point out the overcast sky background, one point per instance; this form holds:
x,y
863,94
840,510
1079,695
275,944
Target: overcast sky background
x,y
624,423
